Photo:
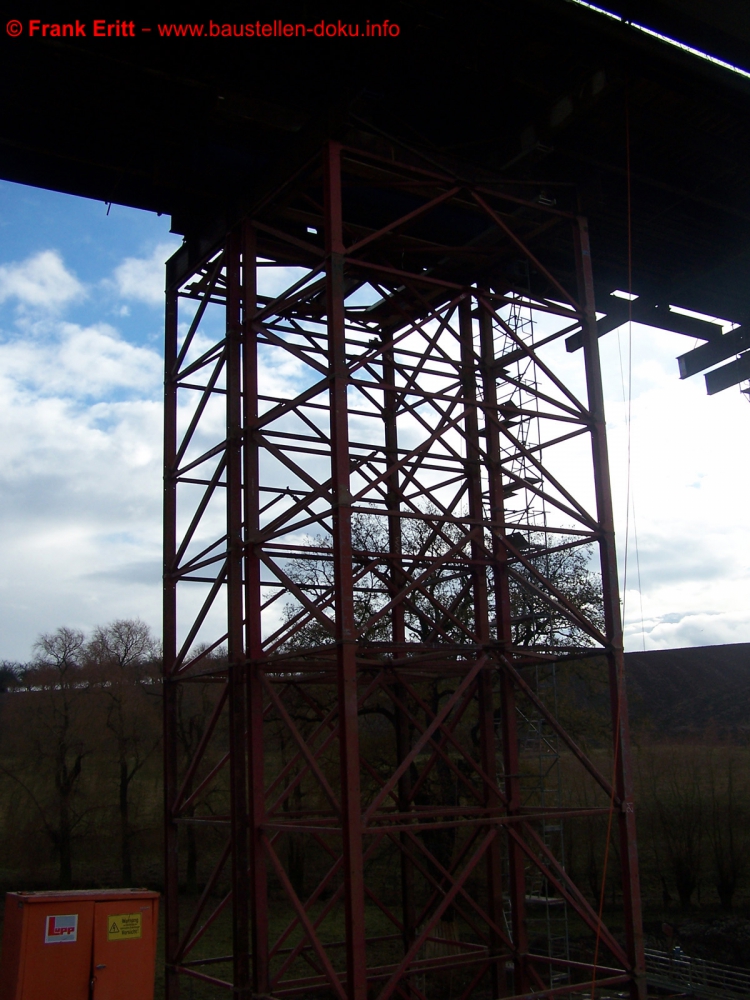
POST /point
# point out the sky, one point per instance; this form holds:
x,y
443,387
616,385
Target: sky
x,y
81,318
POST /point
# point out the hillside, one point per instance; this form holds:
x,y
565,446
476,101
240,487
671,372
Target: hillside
x,y
695,691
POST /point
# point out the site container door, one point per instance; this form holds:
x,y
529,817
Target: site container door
x,y
124,950
49,949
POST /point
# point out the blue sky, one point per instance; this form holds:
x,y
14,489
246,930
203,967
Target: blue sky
x,y
81,305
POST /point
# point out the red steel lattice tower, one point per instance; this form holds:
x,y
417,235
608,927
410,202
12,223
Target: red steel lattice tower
x,y
364,574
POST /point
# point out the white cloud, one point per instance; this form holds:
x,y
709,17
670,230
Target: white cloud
x,y
76,361
690,495
142,278
40,281
706,628
80,470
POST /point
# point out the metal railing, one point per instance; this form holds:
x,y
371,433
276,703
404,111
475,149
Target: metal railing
x,y
696,976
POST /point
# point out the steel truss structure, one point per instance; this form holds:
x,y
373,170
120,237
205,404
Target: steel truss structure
x,y
358,572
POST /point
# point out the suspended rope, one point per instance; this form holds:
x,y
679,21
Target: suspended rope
x,y
628,399
617,717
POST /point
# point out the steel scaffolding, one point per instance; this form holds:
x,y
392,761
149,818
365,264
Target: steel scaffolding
x,y
352,536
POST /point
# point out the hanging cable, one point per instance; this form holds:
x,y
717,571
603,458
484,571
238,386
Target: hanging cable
x,y
619,679
638,569
627,398
629,406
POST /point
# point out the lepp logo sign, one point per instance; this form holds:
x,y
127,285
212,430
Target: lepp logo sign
x,y
60,928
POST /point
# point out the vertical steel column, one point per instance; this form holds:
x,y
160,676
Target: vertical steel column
x,y
398,629
511,761
253,636
236,662
610,588
482,626
169,645
346,647
393,494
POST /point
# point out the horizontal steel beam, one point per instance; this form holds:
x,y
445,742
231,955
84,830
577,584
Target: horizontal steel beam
x,y
728,375
714,352
656,314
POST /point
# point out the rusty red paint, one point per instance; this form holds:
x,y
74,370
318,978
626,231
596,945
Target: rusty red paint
x,y
407,417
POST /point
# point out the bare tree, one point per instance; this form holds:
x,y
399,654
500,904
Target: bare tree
x,y
11,675
440,610
46,739
122,657
680,808
726,828
536,616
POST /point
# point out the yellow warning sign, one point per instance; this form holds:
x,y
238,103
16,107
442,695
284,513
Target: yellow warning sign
x,y
124,926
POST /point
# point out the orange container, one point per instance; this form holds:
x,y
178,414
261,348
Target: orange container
x,y
90,945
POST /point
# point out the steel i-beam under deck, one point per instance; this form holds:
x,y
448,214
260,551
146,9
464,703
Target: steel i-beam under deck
x,y
379,461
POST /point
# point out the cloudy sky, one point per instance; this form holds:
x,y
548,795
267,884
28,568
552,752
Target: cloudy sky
x,y
80,442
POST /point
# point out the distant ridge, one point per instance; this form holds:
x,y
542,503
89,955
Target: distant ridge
x,y
698,691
